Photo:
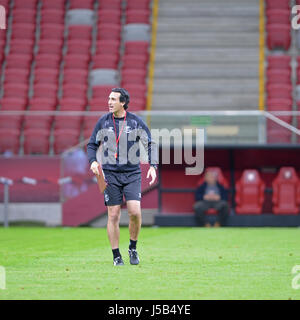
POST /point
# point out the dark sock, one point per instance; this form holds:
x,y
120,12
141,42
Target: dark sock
x,y
116,253
132,244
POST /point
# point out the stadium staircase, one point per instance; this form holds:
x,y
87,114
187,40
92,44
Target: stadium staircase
x,y
207,55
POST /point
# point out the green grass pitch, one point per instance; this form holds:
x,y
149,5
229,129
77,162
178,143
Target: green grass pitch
x,y
176,263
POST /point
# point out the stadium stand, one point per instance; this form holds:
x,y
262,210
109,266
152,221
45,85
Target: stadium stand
x,y
61,53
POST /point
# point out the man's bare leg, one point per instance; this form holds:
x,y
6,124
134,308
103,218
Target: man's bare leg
x,y
135,218
135,222
113,232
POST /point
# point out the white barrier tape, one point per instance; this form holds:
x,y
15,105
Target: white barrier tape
x,y
4,180
29,181
64,180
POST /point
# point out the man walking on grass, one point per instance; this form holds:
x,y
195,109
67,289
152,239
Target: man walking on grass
x,y
119,133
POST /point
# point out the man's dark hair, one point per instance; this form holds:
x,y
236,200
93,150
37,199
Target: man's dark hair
x,y
124,96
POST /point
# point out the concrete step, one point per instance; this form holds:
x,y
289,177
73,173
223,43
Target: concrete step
x,y
192,71
219,101
206,55
208,10
207,25
173,56
216,86
211,2
209,39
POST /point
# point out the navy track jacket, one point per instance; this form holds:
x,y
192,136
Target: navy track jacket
x,y
123,156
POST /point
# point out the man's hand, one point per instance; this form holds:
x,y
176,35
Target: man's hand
x,y
152,173
94,167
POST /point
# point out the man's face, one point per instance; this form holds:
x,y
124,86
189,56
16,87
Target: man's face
x,y
210,178
114,103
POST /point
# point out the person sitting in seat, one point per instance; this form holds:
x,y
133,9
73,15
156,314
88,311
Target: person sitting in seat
x,y
211,195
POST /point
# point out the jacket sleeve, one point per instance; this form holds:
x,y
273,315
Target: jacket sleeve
x,y
223,192
199,194
149,144
94,143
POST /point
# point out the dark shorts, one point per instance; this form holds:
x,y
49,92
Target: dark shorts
x,y
127,184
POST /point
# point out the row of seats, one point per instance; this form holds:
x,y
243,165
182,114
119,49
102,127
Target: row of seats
x,y
279,96
278,25
250,191
52,47
279,87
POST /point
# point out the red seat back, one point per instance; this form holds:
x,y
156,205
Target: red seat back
x,y
285,187
220,177
249,193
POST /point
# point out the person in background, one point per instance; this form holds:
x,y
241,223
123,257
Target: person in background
x,y
211,194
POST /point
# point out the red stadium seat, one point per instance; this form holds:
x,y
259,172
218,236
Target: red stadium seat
x,y
133,76
102,91
80,32
36,141
220,178
76,61
65,139
52,31
79,47
38,122
75,76
52,16
137,90
137,47
109,31
22,61
138,16
50,46
72,104
24,15
283,91
249,193
219,174
44,75
107,47
74,90
16,90
89,122
15,104
44,60
10,122
9,140
135,61
98,104
137,104
279,104
42,104
53,4
64,121
110,4
279,76
138,4
23,31
109,16
81,4
105,61
43,90
277,4
281,16
28,4
279,136
21,46
279,62
278,36
16,75
285,192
